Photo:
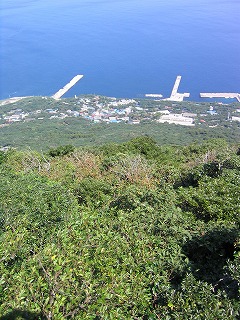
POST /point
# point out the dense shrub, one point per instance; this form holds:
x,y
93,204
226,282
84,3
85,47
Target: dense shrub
x,y
61,151
131,231
214,198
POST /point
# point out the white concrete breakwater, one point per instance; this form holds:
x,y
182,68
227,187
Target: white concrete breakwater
x,y
67,87
153,95
224,95
175,95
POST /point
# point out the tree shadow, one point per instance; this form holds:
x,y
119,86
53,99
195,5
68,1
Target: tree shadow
x,y
17,314
191,179
208,254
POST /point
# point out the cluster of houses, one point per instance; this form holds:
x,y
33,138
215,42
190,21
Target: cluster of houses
x,y
111,110
15,116
105,109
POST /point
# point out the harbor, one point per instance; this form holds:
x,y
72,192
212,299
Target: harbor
x,y
178,97
67,87
175,95
224,95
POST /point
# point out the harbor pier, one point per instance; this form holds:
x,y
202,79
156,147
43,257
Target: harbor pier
x,y
67,87
153,95
175,95
225,95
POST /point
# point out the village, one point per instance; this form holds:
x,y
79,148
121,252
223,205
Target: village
x,y
99,109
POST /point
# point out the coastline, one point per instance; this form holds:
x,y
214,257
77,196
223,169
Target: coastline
x,y
13,100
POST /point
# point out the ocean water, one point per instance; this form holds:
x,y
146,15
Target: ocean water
x,y
124,48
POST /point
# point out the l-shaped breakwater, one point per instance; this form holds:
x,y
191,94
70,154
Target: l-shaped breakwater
x,y
175,95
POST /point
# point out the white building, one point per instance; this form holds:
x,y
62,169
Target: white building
x,y
236,119
176,119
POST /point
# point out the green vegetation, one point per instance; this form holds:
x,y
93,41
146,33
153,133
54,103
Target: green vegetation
x,y
134,230
41,123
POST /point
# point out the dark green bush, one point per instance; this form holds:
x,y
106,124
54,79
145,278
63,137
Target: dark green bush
x,y
61,151
214,198
91,191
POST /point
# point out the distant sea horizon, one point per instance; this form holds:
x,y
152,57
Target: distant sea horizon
x,y
124,48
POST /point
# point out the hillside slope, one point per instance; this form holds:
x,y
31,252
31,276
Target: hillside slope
x,y
121,231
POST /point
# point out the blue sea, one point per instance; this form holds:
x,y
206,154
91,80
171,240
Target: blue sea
x,y
124,48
